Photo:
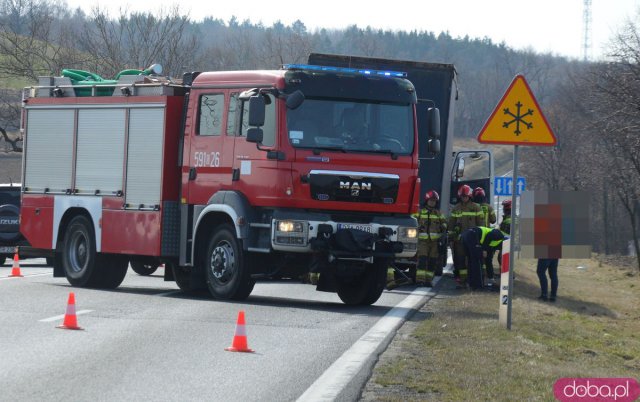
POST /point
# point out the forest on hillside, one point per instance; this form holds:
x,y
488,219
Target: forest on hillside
x,y
592,107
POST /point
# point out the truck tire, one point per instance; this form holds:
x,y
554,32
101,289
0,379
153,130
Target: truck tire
x,y
182,277
144,267
227,268
113,270
81,263
363,289
2,259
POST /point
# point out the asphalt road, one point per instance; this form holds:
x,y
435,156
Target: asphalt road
x,y
148,341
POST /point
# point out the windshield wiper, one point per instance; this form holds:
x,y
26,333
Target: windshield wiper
x,y
394,155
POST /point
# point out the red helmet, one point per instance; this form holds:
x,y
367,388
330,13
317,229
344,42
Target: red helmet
x,y
478,192
464,190
506,205
432,195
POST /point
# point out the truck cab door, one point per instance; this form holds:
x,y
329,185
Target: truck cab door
x,y
473,168
209,161
256,172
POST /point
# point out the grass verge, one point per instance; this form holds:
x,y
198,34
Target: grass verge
x,y
455,350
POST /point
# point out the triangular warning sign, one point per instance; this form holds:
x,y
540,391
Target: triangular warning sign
x,y
517,119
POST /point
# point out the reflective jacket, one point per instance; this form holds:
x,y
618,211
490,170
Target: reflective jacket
x,y
488,215
432,224
463,217
505,225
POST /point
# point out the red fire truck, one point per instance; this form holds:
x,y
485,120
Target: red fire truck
x,y
225,177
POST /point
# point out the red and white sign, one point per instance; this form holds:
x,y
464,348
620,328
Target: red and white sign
x,y
504,283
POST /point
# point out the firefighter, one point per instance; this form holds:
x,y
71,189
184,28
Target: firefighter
x,y
466,214
433,226
505,225
488,214
479,242
488,218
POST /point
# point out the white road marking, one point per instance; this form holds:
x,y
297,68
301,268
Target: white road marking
x,y
24,276
335,379
60,317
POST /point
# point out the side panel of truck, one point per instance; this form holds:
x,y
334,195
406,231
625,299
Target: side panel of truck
x,y
123,175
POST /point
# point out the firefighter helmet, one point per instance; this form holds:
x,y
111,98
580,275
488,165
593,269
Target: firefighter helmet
x,y
506,205
464,191
478,192
432,195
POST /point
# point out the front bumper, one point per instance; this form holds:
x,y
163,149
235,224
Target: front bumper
x,y
312,233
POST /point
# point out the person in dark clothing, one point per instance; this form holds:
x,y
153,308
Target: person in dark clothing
x,y
489,218
505,225
479,241
551,265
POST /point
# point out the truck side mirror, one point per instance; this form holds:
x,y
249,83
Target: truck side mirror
x,y
434,146
433,117
460,168
295,99
257,108
254,134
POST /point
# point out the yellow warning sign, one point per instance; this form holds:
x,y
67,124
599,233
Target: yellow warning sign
x,y
517,119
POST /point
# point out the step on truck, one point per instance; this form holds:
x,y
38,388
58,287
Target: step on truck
x,y
225,177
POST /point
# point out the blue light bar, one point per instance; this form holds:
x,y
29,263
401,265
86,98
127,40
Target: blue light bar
x,y
382,73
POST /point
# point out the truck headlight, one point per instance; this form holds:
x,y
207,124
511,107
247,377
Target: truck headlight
x,y
289,226
408,233
291,233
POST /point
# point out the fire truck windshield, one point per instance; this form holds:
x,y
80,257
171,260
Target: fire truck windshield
x,y
347,126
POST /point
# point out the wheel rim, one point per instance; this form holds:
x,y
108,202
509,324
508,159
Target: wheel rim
x,y
78,252
223,262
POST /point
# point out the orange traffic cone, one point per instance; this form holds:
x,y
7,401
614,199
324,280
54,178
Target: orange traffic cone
x,y
15,271
70,321
240,338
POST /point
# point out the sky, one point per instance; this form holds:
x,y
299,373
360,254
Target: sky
x,y
554,26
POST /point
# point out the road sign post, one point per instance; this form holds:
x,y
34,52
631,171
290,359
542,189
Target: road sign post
x,y
516,120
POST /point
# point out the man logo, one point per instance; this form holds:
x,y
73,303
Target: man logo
x,y
355,187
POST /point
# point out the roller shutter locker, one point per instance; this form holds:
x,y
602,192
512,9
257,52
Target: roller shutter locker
x,y
48,159
144,157
100,156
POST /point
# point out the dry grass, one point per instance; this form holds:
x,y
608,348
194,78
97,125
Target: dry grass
x,y
457,351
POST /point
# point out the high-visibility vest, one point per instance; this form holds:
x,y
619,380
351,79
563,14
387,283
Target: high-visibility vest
x,y
485,232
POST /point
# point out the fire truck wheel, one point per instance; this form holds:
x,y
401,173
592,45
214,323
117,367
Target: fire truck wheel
x,y
2,260
144,268
182,278
114,270
364,289
81,263
227,266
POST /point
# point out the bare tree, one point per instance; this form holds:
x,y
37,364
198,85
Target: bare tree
x,y
612,93
34,40
137,40
285,44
